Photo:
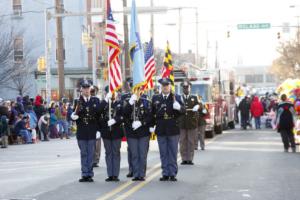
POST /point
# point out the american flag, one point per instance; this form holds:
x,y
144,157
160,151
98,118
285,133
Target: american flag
x,y
149,65
112,41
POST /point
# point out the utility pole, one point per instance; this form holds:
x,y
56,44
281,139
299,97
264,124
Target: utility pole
x,y
152,23
89,26
197,38
126,43
60,48
179,31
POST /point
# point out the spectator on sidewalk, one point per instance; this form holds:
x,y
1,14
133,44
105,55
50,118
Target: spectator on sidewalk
x,y
19,105
244,108
285,121
4,131
53,124
257,111
39,110
20,129
43,125
32,122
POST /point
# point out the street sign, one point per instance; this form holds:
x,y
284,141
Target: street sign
x,y
254,26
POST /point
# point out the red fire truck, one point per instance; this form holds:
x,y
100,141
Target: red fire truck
x,y
216,88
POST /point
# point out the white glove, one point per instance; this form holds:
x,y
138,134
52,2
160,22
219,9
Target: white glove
x,y
136,125
204,111
108,97
98,134
152,129
132,99
176,105
111,122
74,116
196,108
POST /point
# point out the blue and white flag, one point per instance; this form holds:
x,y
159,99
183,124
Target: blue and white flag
x,y
136,51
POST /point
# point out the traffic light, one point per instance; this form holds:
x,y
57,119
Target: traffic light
x,y
278,35
84,38
41,64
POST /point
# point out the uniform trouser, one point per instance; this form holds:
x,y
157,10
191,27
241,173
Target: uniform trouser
x,y
129,159
200,136
168,149
97,151
288,139
112,156
4,140
187,143
87,148
139,149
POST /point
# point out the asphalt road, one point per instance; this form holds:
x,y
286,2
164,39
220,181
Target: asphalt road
x,y
236,165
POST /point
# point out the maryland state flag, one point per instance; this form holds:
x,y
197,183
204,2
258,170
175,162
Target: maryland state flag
x,y
167,71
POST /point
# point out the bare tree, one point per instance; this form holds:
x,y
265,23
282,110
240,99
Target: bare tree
x,y
14,75
6,53
287,65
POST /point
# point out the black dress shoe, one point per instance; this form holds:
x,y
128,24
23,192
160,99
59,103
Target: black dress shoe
x,y
136,179
95,165
190,163
89,179
184,163
116,179
129,175
83,179
141,179
173,178
164,178
109,179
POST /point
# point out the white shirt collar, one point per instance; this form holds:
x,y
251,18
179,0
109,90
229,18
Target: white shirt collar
x,y
165,95
86,99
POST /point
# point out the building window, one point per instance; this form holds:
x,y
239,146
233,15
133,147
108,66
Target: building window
x,y
18,49
17,8
64,51
270,78
96,4
256,78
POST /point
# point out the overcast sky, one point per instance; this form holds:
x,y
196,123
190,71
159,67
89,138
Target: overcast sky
x,y
216,17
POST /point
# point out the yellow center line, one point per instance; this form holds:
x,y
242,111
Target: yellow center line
x,y
125,185
139,186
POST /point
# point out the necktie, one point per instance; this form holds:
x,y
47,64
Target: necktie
x,y
165,97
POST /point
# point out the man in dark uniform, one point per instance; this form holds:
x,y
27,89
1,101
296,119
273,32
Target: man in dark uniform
x,y
86,116
166,108
96,160
112,133
138,117
188,124
125,101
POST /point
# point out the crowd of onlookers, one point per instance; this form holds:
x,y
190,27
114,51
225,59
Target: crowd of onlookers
x,y
28,120
254,108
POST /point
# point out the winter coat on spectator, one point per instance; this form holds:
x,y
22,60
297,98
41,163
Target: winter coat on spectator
x,y
256,109
19,105
39,108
